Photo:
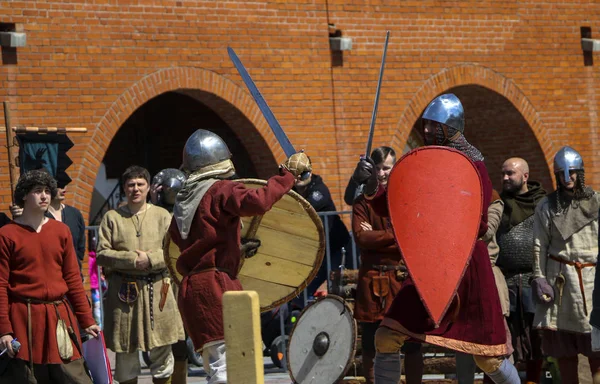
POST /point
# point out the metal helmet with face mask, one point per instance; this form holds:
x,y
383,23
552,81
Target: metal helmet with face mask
x,y
567,159
202,149
172,181
448,110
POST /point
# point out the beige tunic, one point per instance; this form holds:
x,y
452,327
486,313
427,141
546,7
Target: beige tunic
x,y
582,246
128,326
495,211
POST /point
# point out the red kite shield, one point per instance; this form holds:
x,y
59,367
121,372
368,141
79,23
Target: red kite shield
x,y
435,200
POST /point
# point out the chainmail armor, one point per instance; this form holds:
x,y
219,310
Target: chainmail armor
x,y
560,201
459,142
516,252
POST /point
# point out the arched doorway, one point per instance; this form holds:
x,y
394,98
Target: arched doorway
x,y
497,128
230,102
153,136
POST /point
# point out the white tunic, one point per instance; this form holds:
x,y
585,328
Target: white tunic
x,y
581,246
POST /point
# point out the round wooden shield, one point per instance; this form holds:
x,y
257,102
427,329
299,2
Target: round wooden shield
x,y
435,201
289,257
322,343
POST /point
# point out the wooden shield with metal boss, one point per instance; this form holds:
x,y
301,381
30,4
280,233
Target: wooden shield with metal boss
x,y
322,343
292,245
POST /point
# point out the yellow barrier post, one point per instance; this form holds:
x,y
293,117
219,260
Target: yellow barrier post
x,y
241,318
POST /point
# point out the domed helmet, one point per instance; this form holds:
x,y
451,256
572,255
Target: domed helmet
x,y
448,110
172,181
567,159
205,151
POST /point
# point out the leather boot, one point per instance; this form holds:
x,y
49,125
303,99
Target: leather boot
x,y
180,372
368,372
161,381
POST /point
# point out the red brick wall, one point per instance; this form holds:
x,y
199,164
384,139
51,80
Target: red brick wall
x,y
92,64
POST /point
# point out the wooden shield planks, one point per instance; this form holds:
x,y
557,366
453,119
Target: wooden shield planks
x,y
322,343
435,205
291,251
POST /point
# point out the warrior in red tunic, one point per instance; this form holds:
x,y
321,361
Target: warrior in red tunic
x,y
206,228
474,323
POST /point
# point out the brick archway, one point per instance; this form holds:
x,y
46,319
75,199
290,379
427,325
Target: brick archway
x,y
232,103
471,74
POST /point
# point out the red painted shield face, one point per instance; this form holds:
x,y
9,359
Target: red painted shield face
x,y
435,205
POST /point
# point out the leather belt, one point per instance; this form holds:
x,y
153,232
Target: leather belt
x,y
578,267
385,268
150,279
29,301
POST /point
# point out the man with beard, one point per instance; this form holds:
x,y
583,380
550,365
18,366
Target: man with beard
x,y
476,325
520,197
565,232
381,273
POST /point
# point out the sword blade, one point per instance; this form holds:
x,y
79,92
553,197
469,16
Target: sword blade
x,y
279,133
377,92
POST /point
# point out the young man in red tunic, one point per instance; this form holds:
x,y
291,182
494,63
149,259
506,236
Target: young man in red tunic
x,y
206,228
38,273
474,324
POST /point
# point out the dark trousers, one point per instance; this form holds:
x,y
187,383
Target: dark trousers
x,y
18,372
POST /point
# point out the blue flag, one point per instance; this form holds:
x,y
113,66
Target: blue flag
x,y
49,151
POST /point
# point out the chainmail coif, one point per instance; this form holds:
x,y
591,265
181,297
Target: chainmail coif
x,y
458,142
561,201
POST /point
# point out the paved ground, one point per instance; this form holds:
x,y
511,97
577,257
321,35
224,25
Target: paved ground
x,y
274,375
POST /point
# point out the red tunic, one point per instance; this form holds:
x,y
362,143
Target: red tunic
x,y
377,247
474,323
214,242
41,266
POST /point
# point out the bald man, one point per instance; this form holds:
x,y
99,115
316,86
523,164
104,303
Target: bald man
x,y
515,173
515,259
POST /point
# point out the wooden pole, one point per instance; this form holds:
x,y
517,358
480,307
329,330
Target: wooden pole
x,y
12,170
43,130
241,318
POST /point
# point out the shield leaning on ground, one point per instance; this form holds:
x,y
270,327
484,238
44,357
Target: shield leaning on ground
x,y
322,343
290,254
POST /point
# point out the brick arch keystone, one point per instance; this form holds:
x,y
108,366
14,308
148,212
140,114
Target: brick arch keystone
x,y
470,74
186,80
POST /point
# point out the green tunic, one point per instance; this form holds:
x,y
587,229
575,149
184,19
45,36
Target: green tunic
x,y
128,327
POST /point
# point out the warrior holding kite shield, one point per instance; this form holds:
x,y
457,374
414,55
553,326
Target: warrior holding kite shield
x,y
435,198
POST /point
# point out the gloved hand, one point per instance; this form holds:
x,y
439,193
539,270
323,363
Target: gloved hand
x,y
366,173
249,247
298,164
544,292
